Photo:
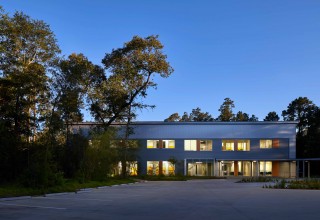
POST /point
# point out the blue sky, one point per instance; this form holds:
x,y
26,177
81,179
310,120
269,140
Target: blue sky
x,y
261,54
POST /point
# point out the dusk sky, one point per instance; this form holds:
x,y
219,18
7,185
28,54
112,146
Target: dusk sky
x,y
261,54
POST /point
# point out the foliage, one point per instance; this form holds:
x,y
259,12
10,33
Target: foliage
x,y
300,109
295,184
307,114
173,117
27,49
256,179
66,186
131,69
240,116
226,113
195,115
272,116
99,157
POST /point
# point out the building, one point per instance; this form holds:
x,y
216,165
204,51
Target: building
x,y
215,148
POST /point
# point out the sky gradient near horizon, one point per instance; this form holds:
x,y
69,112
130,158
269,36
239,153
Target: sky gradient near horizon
x,y
261,54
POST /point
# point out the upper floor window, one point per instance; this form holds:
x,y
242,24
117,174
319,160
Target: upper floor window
x,y
243,145
160,144
268,143
153,144
205,145
198,145
265,143
190,145
227,145
238,145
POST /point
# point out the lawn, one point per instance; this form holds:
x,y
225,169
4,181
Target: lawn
x,y
13,190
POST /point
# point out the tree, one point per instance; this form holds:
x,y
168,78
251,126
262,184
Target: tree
x,y
70,83
132,69
185,117
272,116
117,96
240,116
304,111
313,134
300,109
173,117
253,118
27,49
197,115
225,109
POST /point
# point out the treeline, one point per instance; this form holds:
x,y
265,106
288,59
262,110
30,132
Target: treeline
x,y
301,109
43,93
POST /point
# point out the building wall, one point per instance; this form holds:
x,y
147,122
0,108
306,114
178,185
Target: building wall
x,y
285,132
215,131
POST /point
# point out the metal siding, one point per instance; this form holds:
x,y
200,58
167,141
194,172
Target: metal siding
x,y
205,131
285,132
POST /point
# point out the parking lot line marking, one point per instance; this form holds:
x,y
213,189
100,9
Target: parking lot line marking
x,y
31,206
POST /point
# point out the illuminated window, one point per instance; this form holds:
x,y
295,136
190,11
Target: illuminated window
x,y
132,168
265,143
197,145
205,145
160,144
265,168
153,143
243,145
190,145
153,167
168,144
167,168
227,145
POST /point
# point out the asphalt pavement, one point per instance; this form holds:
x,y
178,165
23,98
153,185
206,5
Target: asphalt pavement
x,y
194,199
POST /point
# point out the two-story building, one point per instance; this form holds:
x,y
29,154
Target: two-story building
x,y
216,148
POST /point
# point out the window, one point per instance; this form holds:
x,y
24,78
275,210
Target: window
x,y
167,168
132,168
265,168
265,143
160,144
153,167
197,145
227,145
243,145
205,145
190,145
168,144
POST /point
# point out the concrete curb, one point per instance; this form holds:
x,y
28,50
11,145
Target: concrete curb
x,y
58,194
15,198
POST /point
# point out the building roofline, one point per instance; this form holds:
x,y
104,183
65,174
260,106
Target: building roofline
x,y
195,123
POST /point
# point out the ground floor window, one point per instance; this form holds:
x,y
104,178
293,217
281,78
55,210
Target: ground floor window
x,y
153,167
160,167
167,168
132,168
265,168
200,169
236,168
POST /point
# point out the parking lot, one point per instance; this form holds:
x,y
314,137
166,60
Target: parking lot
x,y
195,199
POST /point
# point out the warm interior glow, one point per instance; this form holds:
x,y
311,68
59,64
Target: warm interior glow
x,y
190,145
265,143
227,145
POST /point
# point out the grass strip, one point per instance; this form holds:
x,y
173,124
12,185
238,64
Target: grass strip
x,y
15,190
